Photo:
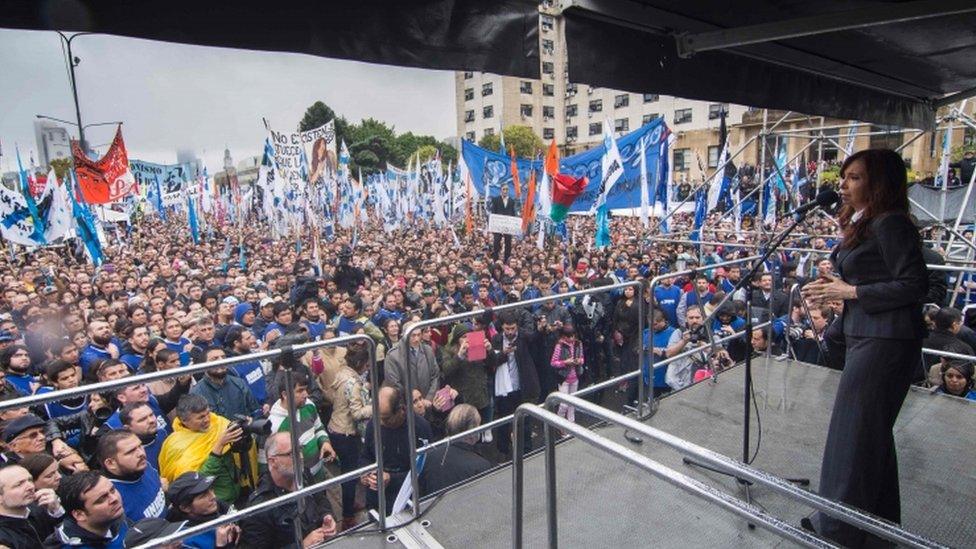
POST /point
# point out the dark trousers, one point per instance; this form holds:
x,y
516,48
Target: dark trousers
x,y
347,447
860,466
497,244
504,406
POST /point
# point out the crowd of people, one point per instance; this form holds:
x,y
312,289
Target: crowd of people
x,y
118,469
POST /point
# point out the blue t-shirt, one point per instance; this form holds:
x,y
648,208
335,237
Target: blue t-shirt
x,y
133,361
115,421
252,373
143,498
21,382
178,346
59,409
90,355
315,329
667,300
659,339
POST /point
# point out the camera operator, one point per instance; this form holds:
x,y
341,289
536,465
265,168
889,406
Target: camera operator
x,y
203,441
681,372
807,341
348,278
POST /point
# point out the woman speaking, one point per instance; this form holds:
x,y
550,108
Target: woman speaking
x,y
882,281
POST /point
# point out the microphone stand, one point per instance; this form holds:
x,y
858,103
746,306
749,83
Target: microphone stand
x,y
746,284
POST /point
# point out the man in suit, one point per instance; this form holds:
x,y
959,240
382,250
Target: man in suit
x,y
516,379
458,461
774,301
502,205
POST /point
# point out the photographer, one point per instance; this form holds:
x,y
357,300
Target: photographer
x,y
202,441
681,372
807,341
348,278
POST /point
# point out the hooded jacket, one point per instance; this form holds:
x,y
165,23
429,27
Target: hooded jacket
x,y
69,534
27,533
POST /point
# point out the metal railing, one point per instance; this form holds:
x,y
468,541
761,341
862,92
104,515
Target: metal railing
x,y
880,527
284,352
409,373
679,480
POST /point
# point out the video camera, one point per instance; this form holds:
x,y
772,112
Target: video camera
x,y
251,428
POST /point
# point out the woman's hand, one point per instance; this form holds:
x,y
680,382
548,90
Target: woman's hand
x,y
829,287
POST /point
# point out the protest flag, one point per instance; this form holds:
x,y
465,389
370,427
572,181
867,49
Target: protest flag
x,y
515,176
565,189
528,209
107,179
191,217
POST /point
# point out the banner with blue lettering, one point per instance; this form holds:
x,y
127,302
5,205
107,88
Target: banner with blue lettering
x,y
491,169
172,178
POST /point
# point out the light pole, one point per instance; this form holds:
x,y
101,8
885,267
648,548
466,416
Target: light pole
x,y
72,63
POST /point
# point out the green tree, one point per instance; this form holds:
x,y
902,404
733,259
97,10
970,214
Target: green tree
x,y
425,153
320,113
526,143
61,167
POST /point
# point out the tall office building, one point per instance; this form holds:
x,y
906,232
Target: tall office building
x,y
53,142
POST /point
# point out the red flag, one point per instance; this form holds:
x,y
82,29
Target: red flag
x,y
515,175
107,179
552,159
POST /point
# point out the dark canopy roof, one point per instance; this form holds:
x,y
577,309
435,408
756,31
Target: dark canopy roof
x,y
755,52
893,73
499,36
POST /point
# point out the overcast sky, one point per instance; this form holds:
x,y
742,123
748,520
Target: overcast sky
x,y
177,96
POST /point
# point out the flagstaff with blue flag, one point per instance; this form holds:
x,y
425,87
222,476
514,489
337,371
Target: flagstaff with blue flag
x,y
85,223
701,207
38,235
191,217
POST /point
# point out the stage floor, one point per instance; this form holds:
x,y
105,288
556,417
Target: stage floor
x,y
604,502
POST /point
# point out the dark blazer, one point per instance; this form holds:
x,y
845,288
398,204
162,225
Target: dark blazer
x,y
891,279
938,282
528,377
451,464
777,304
498,208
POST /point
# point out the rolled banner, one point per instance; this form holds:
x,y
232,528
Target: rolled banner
x,y
565,189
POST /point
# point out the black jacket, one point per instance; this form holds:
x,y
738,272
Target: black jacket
x,y
938,284
889,272
451,464
275,528
777,304
396,456
69,534
497,207
27,533
528,377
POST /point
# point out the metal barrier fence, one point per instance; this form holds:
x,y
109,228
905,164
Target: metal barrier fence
x,y
287,354
847,514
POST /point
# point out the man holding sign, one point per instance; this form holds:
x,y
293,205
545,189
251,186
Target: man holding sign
x,y
502,205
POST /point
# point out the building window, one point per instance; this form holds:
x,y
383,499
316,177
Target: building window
x,y
548,90
488,112
682,115
469,136
571,110
596,128
486,89
548,46
571,132
890,139
596,105
715,110
648,117
682,158
468,75
525,87
525,110
469,116
713,153
548,112
548,67
621,100
621,125
571,90
489,131
548,133
469,94
548,23
651,97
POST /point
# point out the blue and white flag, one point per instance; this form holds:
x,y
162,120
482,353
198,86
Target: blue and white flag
x,y
191,217
38,223
85,224
701,207
58,221
611,165
851,135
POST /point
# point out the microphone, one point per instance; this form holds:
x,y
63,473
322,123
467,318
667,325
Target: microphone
x,y
826,200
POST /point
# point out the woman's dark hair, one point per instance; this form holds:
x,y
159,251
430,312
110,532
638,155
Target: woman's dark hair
x,y
37,463
965,368
887,191
149,357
